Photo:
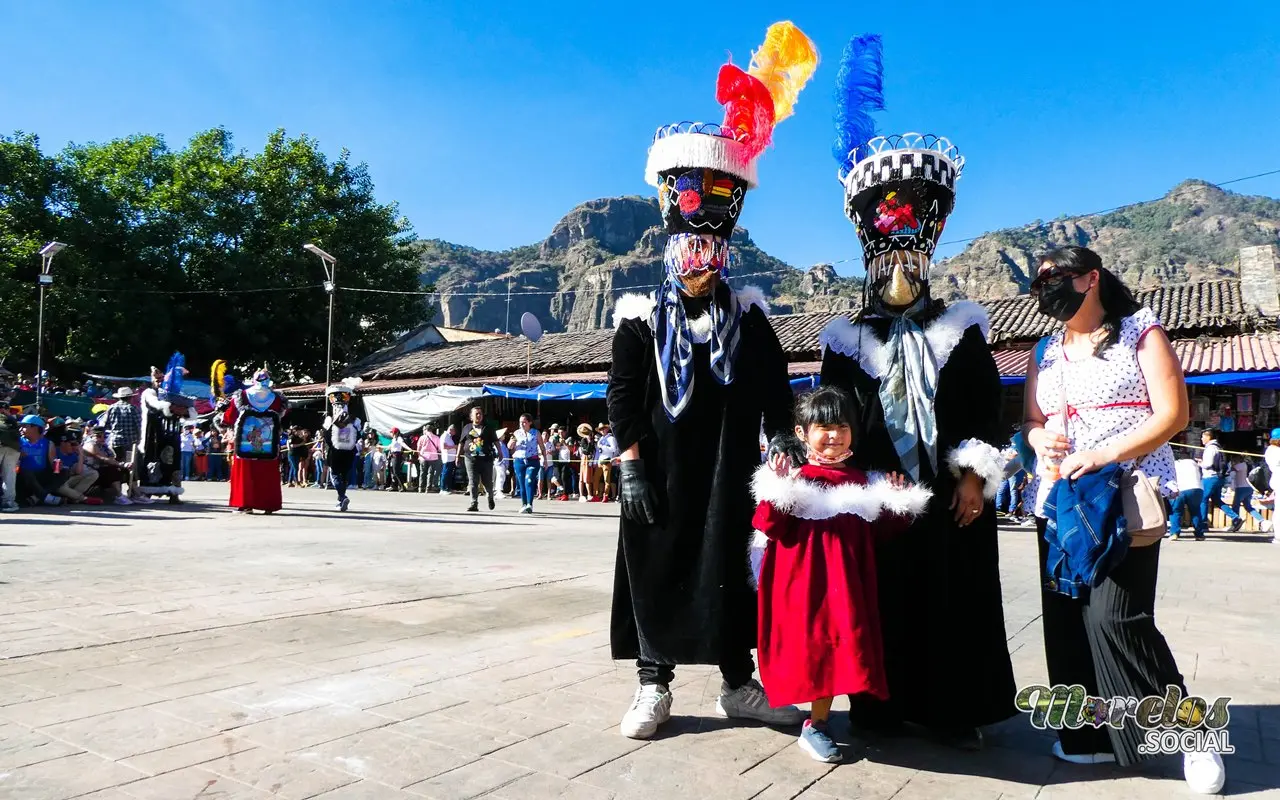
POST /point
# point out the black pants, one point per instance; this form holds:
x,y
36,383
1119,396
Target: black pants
x,y
479,470
1109,644
397,470
735,670
340,471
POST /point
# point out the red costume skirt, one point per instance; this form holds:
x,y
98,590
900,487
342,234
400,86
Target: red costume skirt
x,y
255,484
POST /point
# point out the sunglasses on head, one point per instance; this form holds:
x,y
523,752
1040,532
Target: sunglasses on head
x,y
1055,275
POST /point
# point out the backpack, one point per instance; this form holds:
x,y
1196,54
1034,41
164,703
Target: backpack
x,y
1260,478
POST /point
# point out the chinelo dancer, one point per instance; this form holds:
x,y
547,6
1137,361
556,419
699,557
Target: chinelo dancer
x,y
164,408
699,363
256,413
928,393
341,435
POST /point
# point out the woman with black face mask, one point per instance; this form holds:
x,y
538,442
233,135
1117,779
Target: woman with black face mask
x,y
1113,373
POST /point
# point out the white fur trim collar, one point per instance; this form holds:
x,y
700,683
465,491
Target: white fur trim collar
x,y
984,460
808,499
633,306
640,306
749,296
861,343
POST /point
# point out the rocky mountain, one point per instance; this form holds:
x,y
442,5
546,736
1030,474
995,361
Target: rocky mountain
x,y
609,246
600,250
1193,233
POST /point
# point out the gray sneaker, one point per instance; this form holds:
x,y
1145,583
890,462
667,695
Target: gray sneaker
x,y
817,742
748,701
650,708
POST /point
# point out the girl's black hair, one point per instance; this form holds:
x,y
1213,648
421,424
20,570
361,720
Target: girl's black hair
x,y
1118,301
827,405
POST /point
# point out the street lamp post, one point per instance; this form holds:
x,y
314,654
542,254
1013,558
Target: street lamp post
x,y
330,265
45,279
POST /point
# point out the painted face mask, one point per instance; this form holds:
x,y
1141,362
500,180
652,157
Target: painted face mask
x,y
1060,300
696,261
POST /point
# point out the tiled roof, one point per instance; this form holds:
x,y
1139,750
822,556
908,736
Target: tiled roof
x,y
1254,352
1187,310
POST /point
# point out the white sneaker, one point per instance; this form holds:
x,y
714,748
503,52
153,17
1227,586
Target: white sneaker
x,y
121,500
1205,772
143,499
748,701
1082,758
582,499
651,708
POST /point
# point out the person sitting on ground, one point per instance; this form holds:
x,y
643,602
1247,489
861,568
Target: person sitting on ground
x,y
111,473
79,476
38,481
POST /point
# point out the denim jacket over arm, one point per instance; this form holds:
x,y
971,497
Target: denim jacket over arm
x,y
1086,531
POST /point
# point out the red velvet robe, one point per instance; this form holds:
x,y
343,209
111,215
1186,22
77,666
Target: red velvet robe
x,y
255,482
819,618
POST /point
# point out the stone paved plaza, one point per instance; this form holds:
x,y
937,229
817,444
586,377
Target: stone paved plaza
x,y
408,650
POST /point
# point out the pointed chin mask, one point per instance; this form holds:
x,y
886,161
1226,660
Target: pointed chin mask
x,y
899,278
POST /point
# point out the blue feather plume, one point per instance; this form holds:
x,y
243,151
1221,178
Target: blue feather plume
x,y
173,374
859,91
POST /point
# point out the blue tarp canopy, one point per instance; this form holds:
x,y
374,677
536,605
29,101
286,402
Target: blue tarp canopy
x,y
803,383
1244,380
549,391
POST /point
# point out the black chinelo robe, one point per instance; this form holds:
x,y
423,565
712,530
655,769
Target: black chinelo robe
x,y
682,592
946,652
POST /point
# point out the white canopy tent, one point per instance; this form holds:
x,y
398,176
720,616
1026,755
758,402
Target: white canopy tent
x,y
415,408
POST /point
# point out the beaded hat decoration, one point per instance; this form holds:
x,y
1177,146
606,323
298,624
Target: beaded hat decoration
x,y
898,189
703,170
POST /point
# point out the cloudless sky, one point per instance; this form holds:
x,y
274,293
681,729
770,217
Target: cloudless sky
x,y
487,121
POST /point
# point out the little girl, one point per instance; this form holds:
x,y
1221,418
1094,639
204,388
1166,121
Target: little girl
x,y
819,633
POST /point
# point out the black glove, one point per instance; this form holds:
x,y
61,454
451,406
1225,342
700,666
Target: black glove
x,y
639,502
789,445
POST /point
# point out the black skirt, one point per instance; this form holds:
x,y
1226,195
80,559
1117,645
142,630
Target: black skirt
x,y
1108,643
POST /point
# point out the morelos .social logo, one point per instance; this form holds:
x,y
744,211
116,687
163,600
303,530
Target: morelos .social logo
x,y
1170,723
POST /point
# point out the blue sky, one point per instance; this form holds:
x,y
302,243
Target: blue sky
x,y
487,121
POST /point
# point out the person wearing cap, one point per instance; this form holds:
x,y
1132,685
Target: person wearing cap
x,y
606,454
696,368
111,473
38,482
80,477
397,449
123,425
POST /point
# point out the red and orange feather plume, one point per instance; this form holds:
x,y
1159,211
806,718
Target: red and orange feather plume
x,y
758,99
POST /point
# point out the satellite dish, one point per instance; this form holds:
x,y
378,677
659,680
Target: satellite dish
x,y
530,327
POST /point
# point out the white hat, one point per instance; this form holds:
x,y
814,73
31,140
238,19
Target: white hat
x,y
122,393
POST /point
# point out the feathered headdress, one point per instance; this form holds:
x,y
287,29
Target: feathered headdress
x,y
859,92
898,189
171,385
754,102
221,382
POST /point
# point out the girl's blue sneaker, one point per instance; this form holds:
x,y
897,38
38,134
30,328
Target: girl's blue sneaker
x,y
817,742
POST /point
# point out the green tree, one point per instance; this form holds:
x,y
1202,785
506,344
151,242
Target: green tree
x,y
165,243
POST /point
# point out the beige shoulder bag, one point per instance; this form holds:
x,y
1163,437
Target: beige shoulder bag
x,y
1140,501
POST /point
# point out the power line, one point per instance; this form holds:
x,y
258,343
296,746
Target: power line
x,y
437,293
